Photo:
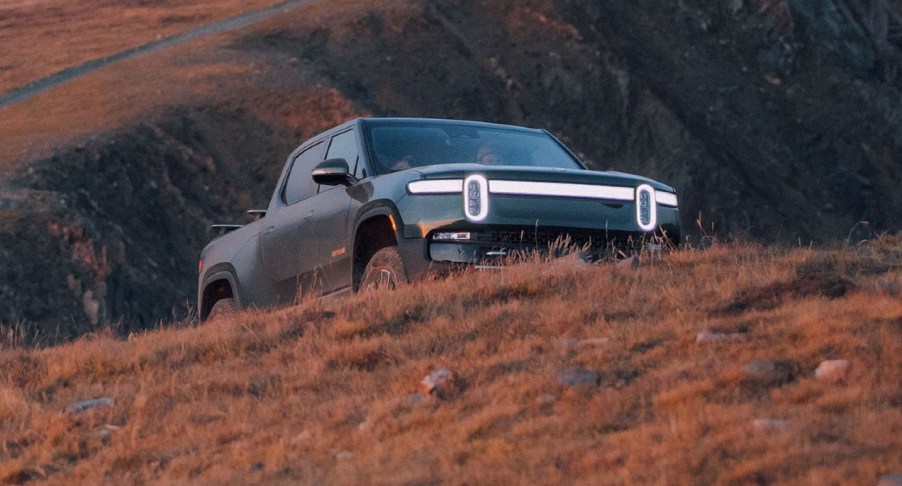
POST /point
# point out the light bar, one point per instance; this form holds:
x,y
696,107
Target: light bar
x,y
556,189
441,186
666,198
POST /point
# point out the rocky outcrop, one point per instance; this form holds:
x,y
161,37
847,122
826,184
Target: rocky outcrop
x,y
776,120
108,233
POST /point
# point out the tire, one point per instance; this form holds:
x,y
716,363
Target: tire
x,y
385,270
222,308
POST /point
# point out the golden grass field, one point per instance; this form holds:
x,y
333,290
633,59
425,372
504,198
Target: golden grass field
x,y
43,37
204,71
322,392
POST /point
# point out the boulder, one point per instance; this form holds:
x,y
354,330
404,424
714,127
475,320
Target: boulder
x,y
578,377
769,372
437,383
593,342
768,424
832,370
712,337
82,405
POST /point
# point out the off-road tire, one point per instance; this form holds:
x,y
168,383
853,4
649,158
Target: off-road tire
x,y
385,270
222,308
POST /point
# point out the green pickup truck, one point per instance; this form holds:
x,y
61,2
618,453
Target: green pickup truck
x,y
385,201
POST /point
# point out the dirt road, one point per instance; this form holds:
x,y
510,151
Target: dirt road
x,y
234,23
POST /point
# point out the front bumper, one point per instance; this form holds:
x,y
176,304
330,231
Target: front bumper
x,y
495,243
499,219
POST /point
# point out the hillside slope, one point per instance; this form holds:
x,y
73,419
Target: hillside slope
x,y
777,121
696,368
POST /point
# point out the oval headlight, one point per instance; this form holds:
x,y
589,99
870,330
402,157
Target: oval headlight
x,y
476,198
646,207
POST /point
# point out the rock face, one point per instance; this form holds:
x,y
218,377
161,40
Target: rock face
x,y
110,231
728,77
775,120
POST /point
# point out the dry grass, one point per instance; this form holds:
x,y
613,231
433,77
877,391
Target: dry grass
x,y
321,393
205,72
117,96
43,37
46,37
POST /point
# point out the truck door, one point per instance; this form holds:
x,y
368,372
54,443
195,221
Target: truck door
x,y
330,222
287,246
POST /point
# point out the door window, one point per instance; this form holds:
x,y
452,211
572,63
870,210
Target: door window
x,y
300,183
344,146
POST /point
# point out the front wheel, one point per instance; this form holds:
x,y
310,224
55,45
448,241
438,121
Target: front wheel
x,y
385,270
222,308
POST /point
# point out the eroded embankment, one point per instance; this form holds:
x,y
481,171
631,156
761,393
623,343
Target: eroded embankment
x,y
109,231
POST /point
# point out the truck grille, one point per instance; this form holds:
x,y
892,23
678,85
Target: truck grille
x,y
594,244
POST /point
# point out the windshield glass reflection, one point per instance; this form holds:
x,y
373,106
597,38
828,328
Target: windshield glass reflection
x,y
404,146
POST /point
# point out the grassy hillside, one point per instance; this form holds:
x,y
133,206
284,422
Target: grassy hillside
x,y
48,36
776,121
695,368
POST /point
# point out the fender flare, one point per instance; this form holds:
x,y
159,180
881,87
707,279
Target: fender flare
x,y
227,273
379,208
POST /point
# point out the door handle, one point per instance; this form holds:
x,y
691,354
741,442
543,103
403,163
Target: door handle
x,y
269,230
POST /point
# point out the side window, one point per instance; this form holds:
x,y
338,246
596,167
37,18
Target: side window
x,y
300,183
344,146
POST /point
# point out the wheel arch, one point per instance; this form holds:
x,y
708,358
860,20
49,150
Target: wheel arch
x,y
375,229
219,285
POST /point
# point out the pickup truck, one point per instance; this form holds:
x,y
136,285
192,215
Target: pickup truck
x,y
382,202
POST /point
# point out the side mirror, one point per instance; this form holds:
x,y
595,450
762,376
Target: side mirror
x,y
333,172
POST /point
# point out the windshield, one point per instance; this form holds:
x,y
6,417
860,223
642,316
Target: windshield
x,y
403,146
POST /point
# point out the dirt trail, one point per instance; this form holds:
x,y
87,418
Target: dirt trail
x,y
234,23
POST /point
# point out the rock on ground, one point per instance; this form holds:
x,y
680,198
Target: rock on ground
x,y
832,370
82,405
578,377
890,480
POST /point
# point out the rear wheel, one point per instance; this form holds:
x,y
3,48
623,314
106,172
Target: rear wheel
x,y
222,307
385,270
